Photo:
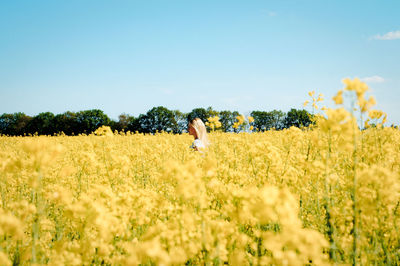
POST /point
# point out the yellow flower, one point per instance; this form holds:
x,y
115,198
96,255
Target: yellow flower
x,y
375,114
366,123
384,118
213,122
260,198
104,131
355,85
339,97
371,101
240,119
4,260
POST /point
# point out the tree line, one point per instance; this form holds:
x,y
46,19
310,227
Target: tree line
x,y
155,120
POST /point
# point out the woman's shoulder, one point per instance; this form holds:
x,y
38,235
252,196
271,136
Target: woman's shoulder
x,y
197,142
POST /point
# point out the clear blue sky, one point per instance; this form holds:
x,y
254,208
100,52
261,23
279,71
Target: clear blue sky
x,y
129,56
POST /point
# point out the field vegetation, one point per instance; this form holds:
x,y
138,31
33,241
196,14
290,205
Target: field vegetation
x,y
325,194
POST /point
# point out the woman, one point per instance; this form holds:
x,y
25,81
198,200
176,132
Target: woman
x,y
198,130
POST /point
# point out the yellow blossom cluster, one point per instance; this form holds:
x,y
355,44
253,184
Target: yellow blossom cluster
x,y
324,195
241,123
314,99
104,131
213,123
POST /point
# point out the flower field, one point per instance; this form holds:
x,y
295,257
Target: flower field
x,y
322,195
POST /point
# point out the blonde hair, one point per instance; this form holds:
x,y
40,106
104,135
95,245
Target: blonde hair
x,y
201,130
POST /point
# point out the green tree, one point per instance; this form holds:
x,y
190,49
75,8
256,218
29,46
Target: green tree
x,y
266,120
277,119
43,124
211,112
123,123
261,121
66,122
157,119
14,124
198,113
134,124
181,121
227,119
297,118
90,120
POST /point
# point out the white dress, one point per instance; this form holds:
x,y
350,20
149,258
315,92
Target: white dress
x,y
197,143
